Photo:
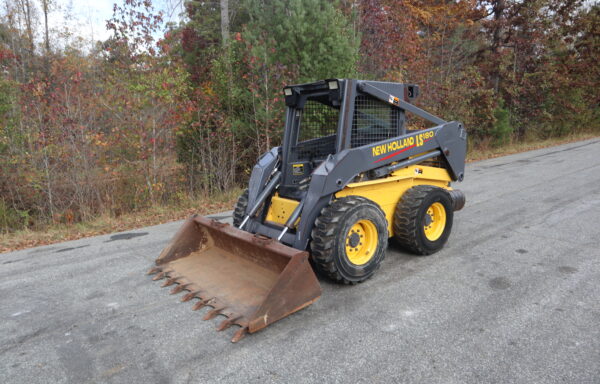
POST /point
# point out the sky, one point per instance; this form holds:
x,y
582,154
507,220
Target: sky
x,y
88,17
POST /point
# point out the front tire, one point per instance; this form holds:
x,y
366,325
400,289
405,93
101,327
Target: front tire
x,y
349,239
239,211
423,219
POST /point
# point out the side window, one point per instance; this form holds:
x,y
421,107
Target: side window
x,y
318,120
373,121
317,131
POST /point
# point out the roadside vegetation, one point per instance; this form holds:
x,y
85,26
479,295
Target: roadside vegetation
x,y
163,119
203,205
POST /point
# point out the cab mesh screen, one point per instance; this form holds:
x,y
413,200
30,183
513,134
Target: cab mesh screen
x,y
318,120
373,121
318,126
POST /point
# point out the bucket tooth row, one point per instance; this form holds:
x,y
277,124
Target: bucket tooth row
x,y
218,309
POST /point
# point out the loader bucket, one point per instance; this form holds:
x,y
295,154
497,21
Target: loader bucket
x,y
251,280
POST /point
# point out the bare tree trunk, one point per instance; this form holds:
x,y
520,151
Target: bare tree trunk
x,y
48,184
267,109
498,9
234,155
224,21
27,15
154,166
45,4
28,47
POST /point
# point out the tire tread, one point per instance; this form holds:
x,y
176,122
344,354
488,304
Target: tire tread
x,y
405,219
239,209
324,234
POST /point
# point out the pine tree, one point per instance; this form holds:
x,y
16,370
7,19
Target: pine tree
x,y
311,36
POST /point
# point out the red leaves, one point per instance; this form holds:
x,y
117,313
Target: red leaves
x,y
134,26
6,54
76,77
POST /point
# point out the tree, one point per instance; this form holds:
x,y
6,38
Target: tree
x,y
311,36
224,21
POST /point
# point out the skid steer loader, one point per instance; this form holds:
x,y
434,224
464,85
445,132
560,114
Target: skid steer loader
x,y
348,176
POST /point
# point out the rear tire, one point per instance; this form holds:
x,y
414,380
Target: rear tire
x,y
239,211
349,239
423,219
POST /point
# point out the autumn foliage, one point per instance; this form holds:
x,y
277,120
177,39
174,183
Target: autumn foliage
x,y
161,112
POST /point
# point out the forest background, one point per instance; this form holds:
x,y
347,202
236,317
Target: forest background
x,y
163,118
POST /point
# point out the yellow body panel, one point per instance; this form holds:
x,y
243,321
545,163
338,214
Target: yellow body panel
x,y
280,209
386,192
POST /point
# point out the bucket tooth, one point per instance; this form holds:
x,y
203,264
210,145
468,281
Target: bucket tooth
x,y
200,304
161,275
224,325
189,296
154,270
169,281
178,288
213,313
239,335
227,323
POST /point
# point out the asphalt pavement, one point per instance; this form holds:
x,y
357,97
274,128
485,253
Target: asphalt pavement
x,y
514,297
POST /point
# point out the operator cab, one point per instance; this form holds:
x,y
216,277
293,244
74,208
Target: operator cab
x,y
314,126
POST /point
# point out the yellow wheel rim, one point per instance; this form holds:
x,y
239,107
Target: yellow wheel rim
x,y
435,221
361,242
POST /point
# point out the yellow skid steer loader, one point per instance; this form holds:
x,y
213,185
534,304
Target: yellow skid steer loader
x,y
348,176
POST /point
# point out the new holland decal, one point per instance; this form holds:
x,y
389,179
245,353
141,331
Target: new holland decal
x,y
398,146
